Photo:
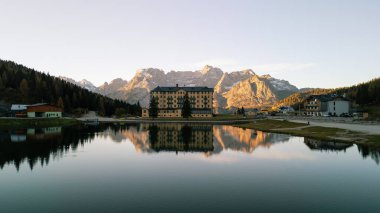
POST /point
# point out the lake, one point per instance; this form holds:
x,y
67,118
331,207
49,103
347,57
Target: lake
x,y
182,168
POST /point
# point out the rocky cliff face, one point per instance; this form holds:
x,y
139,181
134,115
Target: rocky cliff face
x,y
225,84
139,86
231,90
250,93
112,87
256,91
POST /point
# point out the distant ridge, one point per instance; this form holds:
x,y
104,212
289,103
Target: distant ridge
x,y
228,94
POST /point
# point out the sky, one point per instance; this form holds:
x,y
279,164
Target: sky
x,y
324,43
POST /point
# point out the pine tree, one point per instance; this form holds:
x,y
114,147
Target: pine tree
x,y
101,107
153,107
242,111
139,109
24,89
60,103
186,107
2,86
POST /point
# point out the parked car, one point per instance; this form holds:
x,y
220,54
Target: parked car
x,y
346,115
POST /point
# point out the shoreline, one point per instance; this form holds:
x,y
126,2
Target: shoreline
x,y
350,133
6,122
313,131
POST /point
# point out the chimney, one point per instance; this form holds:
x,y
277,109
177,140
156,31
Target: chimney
x,y
176,85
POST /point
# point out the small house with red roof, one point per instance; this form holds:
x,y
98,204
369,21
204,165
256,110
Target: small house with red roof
x,y
43,111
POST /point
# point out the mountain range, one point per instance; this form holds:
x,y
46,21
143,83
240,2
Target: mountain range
x,y
231,89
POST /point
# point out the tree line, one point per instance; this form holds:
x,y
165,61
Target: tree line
x,y
364,94
19,84
295,99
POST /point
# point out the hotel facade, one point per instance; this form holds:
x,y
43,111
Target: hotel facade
x,y
170,101
326,105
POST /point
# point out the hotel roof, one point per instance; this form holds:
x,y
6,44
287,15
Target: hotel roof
x,y
187,89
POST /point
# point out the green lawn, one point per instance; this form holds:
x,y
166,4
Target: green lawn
x,y
322,133
267,124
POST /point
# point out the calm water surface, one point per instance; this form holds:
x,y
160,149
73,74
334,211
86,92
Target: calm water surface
x,y
176,168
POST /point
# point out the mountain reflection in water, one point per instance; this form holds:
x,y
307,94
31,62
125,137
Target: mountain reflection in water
x,y
34,146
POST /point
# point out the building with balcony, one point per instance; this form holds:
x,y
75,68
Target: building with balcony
x,y
326,105
170,101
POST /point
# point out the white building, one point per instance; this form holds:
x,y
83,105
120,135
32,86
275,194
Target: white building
x,y
286,110
326,105
338,106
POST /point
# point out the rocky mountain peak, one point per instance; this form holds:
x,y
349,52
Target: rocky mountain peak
x,y
207,69
247,72
255,78
118,80
231,89
82,83
266,76
148,72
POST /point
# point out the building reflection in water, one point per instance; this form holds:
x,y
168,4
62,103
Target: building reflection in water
x,y
199,138
34,146
181,138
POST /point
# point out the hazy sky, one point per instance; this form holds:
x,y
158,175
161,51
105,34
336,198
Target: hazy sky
x,y
310,43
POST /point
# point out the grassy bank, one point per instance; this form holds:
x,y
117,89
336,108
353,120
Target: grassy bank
x,y
267,125
36,122
317,132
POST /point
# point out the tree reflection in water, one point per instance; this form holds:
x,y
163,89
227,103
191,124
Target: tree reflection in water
x,y
40,145
34,146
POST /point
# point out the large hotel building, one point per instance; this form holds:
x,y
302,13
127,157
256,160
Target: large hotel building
x,y
170,101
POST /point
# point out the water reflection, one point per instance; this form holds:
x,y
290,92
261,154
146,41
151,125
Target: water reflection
x,y
369,151
180,138
34,146
326,145
244,140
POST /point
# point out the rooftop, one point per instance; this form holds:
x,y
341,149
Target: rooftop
x,y
187,89
325,98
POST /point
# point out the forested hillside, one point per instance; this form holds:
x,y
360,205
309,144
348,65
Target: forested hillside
x,y
296,98
364,94
19,84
